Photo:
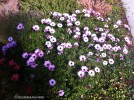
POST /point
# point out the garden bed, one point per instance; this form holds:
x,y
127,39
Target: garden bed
x,y
85,58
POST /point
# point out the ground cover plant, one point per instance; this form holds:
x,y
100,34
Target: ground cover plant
x,y
68,55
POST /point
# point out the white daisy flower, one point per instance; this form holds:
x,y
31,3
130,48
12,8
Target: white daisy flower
x,y
91,72
90,54
105,62
82,58
97,69
88,33
103,55
111,61
71,63
53,40
52,31
59,25
77,11
62,18
52,24
125,51
115,26
48,43
77,23
85,39
86,28
60,48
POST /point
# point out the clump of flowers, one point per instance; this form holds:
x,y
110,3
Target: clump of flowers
x,y
11,43
81,54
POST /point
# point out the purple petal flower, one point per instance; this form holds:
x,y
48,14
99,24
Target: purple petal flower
x,y
41,54
4,48
51,67
47,63
52,82
25,55
61,93
34,65
20,26
10,39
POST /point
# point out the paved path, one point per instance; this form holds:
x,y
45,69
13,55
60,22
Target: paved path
x,y
129,6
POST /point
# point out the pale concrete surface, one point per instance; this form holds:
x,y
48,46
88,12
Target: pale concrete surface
x,y
129,6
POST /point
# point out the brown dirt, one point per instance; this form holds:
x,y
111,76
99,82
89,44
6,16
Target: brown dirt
x,y
8,6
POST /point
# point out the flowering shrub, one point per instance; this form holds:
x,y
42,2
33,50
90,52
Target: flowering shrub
x,y
77,60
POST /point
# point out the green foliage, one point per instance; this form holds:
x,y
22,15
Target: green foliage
x,y
111,83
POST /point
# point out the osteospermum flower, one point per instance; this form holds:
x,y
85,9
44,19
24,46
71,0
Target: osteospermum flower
x,y
90,54
68,45
53,40
73,19
47,63
69,24
119,22
86,28
125,51
77,11
47,29
82,58
41,54
10,39
36,27
88,33
84,11
85,39
103,55
20,26
76,44
84,68
105,62
59,25
87,15
61,93
62,18
43,21
13,43
34,55
71,63
51,67
81,74
25,55
48,21
37,51
31,59
4,48
69,31
91,72
52,82
29,62
76,36
34,65
97,69
52,24
78,33
111,61
52,31
115,26
60,48
97,46
77,23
